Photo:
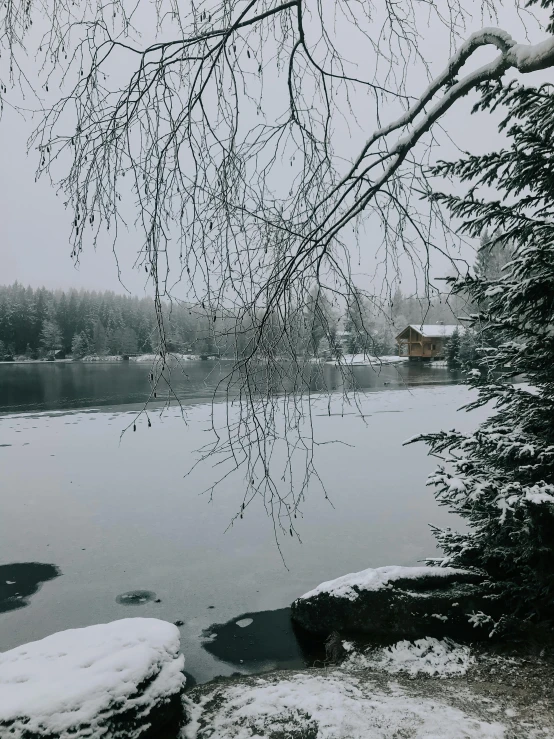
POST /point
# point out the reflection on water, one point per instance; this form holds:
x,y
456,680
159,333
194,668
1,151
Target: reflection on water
x,y
20,580
65,385
269,637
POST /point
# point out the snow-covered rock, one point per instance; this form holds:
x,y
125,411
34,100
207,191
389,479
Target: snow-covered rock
x,y
380,578
121,679
396,602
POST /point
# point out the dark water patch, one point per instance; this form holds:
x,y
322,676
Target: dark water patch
x,y
1,445
20,580
251,639
51,386
136,598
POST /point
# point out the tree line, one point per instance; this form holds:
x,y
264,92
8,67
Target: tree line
x,y
40,323
37,323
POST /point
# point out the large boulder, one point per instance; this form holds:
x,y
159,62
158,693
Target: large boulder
x,y
121,679
398,602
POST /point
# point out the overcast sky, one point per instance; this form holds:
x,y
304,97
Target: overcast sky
x,y
35,227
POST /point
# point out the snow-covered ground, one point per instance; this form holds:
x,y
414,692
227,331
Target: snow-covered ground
x,y
77,682
336,705
139,358
363,359
101,358
153,357
428,689
429,656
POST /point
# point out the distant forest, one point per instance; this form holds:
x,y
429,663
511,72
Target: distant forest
x,y
40,323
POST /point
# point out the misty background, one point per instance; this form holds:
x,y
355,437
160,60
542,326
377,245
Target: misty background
x,y
35,226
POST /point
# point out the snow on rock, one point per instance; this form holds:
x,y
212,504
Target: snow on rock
x,y
117,679
336,705
428,656
349,586
396,602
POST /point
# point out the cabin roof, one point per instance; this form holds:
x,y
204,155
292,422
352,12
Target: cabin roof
x,y
434,331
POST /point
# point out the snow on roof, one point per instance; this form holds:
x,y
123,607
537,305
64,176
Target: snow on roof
x,y
72,680
435,330
377,579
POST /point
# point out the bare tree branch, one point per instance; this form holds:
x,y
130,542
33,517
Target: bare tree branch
x,y
243,197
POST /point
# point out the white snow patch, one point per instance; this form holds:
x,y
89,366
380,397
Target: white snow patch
x,y
244,622
79,677
334,706
154,357
428,656
377,579
102,358
534,56
456,485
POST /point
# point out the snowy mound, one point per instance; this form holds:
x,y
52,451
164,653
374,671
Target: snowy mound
x,y
90,682
435,657
332,706
348,586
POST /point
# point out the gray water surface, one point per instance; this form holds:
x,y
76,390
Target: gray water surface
x,y
34,386
116,514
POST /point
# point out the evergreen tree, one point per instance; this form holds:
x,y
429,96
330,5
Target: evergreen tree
x,y
99,339
493,255
468,354
80,346
500,478
51,336
452,351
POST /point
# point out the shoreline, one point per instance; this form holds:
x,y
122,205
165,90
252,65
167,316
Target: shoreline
x,y
500,696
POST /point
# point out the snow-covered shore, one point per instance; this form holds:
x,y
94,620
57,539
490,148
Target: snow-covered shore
x,y
365,360
124,680
426,690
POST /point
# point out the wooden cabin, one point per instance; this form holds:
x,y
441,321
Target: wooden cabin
x,y
425,342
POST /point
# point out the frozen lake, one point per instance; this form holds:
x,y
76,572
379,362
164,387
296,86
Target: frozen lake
x,y
118,516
